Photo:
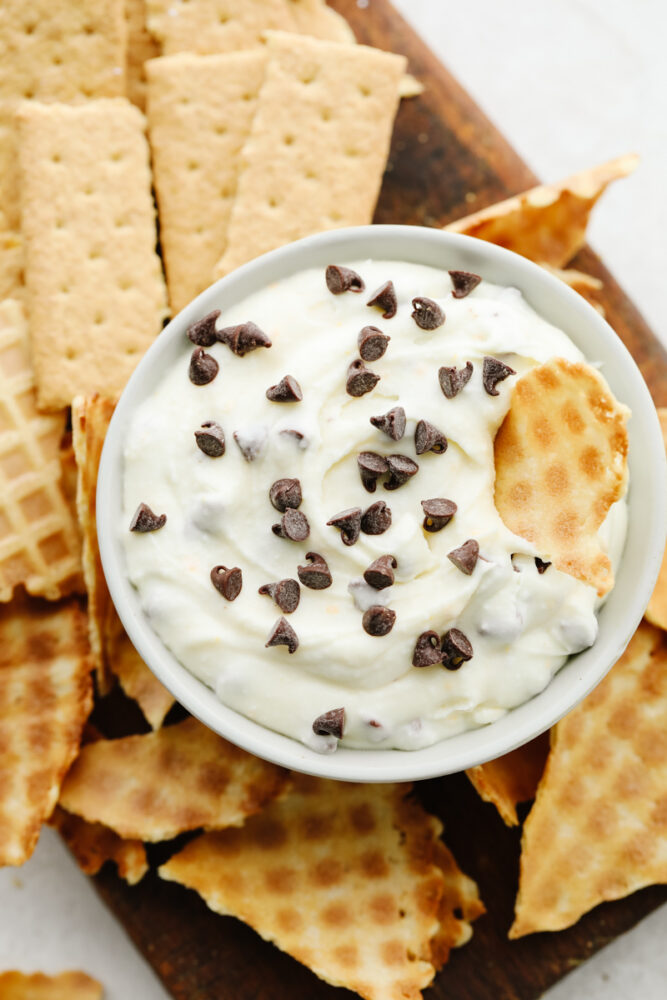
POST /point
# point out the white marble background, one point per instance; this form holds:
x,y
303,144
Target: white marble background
x,y
570,83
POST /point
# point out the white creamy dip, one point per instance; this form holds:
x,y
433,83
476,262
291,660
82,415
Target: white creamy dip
x,y
522,625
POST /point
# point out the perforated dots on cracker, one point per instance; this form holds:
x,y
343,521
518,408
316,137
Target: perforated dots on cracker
x,y
349,879
156,786
546,223
561,462
598,829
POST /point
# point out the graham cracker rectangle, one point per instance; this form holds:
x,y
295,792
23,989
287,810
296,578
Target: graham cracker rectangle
x,y
65,51
94,286
141,46
200,109
324,120
11,247
211,26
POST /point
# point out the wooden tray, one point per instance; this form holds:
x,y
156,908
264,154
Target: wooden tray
x,y
444,152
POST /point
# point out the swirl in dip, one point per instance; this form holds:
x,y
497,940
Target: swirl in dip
x,y
356,643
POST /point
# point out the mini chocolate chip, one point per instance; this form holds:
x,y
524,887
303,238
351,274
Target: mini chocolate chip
x,y
378,620
203,367
227,581
330,723
360,379
427,650
282,634
427,314
380,573
285,493
243,338
456,649
202,333
494,371
391,423
376,519
349,522
211,439
439,513
401,468
300,439
250,443
293,525
465,557
343,279
463,282
429,438
452,380
371,467
145,520
317,576
288,390
542,566
372,343
385,298
286,594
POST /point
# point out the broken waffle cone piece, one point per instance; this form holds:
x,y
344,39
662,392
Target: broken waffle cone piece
x,y
512,778
561,462
39,539
93,844
110,645
37,986
547,223
598,829
155,786
657,606
45,698
349,879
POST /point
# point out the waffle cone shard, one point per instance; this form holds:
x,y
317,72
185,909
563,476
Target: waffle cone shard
x,y
45,698
561,462
155,786
93,844
598,829
39,538
657,606
72,985
512,778
547,223
349,879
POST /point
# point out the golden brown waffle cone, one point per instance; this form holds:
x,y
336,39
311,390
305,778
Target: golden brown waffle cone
x,y
45,698
656,611
512,778
546,223
349,879
93,844
39,539
598,829
561,462
156,786
37,986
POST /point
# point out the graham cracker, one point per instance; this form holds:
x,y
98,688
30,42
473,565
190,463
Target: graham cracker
x,y
213,26
324,120
512,778
45,698
11,265
656,611
350,879
93,845
141,46
40,546
546,223
94,287
561,462
598,829
11,246
156,786
200,109
65,51
38,986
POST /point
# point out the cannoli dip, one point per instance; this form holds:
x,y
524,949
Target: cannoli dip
x,y
310,493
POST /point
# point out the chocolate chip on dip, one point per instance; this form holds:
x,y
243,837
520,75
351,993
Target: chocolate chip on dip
x,y
282,634
210,439
285,493
465,557
145,520
376,519
360,379
427,314
401,468
372,343
285,593
203,333
385,298
452,380
317,576
380,573
343,279
293,525
330,723
427,650
227,582
287,390
349,523
203,367
456,649
463,283
371,467
494,371
378,620
429,438
391,423
244,338
438,512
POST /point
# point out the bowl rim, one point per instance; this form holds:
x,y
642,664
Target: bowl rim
x,y
584,671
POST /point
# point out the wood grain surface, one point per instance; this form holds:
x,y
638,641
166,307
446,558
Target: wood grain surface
x,y
446,160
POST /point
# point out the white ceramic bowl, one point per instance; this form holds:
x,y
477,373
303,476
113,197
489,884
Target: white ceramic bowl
x,y
646,526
